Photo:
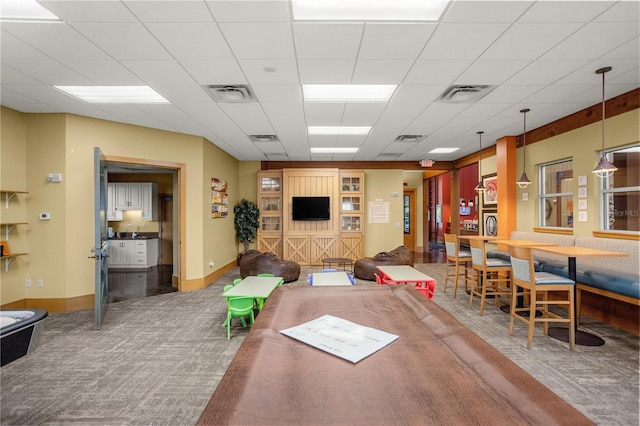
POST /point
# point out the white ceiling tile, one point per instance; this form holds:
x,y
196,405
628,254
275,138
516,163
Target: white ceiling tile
x,y
350,141
327,40
250,11
564,11
59,40
89,11
166,11
104,72
270,147
184,94
44,94
124,41
436,71
249,117
259,40
491,72
485,11
375,71
510,93
545,72
271,71
49,72
13,48
21,102
365,113
215,72
328,71
11,76
529,40
290,94
323,114
558,93
446,42
621,11
394,41
192,41
159,72
626,51
594,40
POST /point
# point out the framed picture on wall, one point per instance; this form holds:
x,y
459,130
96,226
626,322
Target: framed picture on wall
x,y
490,194
490,223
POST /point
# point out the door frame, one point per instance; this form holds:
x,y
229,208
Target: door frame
x,y
181,169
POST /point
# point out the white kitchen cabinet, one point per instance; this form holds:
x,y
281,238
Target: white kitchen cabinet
x,y
149,197
128,196
133,253
113,214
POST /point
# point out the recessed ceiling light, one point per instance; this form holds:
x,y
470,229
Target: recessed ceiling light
x,y
443,150
26,10
114,94
369,10
339,130
334,150
348,92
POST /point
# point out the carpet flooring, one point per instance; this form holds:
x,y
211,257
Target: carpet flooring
x,y
157,360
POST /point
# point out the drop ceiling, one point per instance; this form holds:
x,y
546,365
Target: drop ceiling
x,y
540,55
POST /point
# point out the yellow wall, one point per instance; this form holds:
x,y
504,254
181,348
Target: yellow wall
x,y
583,145
13,173
379,184
59,248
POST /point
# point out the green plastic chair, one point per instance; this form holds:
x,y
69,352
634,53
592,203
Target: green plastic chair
x,y
266,275
239,307
226,288
237,281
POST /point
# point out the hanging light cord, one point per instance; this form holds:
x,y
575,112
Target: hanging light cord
x,y
603,102
524,141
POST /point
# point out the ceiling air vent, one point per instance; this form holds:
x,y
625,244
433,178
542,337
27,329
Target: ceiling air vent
x,y
465,93
410,138
231,93
263,138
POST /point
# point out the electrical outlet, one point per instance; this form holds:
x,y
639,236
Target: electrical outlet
x,y
211,264
27,282
40,283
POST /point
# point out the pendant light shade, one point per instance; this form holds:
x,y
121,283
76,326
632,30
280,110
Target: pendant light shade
x,y
480,187
524,181
604,169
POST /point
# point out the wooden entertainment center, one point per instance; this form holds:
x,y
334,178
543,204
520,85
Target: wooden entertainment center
x,y
308,242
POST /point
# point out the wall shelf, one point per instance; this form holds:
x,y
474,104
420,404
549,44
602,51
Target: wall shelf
x,y
9,258
9,195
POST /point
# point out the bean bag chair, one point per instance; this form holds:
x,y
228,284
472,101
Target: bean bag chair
x,y
366,268
254,262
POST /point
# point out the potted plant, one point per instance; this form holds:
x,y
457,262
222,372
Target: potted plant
x,y
246,222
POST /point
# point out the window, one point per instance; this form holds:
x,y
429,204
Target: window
x,y
620,193
556,194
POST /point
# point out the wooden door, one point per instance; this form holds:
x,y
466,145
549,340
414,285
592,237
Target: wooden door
x,y
165,234
409,218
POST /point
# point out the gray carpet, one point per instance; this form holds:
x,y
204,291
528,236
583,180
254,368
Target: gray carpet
x,y
158,360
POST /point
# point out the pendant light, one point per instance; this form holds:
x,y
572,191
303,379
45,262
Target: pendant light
x,y
480,187
604,169
524,181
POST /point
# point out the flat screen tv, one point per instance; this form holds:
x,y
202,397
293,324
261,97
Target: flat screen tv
x,y
310,208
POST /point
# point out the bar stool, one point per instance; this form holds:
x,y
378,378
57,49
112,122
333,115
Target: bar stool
x,y
490,273
457,259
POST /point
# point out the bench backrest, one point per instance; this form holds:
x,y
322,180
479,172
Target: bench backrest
x,y
625,265
558,239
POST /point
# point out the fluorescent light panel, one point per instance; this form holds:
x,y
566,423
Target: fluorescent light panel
x,y
114,94
339,130
348,92
368,10
443,150
26,10
334,150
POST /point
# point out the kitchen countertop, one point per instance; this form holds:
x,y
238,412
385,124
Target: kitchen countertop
x,y
139,236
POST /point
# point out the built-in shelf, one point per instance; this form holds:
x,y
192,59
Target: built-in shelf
x,y
9,226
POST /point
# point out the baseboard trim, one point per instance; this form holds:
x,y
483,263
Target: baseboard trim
x,y
71,304
200,283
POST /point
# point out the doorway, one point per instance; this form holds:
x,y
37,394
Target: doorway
x,y
409,218
171,223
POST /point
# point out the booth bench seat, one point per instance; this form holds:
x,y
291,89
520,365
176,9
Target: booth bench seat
x,y
614,277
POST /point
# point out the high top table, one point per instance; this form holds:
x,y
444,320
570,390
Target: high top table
x,y
437,371
571,252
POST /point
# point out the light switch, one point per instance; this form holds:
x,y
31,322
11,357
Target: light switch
x,y
45,216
